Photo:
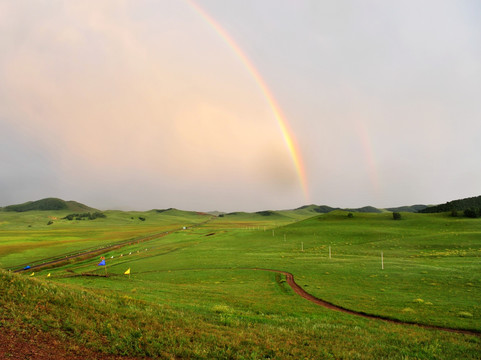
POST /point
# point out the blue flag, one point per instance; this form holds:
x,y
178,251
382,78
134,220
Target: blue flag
x,y
102,263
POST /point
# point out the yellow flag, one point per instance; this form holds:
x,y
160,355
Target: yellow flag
x,y
48,275
32,274
127,272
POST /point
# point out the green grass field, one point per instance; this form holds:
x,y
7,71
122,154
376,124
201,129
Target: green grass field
x,y
194,293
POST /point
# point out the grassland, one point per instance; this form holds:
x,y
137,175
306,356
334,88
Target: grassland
x,y
194,293
26,238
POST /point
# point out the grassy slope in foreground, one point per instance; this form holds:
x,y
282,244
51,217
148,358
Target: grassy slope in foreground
x,y
113,323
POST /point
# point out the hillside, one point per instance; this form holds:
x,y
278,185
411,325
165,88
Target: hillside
x,y
53,204
320,209
458,205
412,208
366,209
49,204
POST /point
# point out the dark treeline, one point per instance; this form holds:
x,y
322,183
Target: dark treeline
x,y
469,207
87,215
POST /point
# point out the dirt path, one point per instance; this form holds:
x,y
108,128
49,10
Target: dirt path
x,y
300,291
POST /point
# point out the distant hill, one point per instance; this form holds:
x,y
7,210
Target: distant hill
x,y
412,208
49,204
215,213
324,209
303,211
458,205
321,209
366,209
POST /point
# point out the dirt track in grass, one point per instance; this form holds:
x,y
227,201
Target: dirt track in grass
x,y
300,291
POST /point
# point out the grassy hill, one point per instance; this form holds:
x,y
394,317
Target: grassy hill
x,y
366,209
49,204
319,209
411,208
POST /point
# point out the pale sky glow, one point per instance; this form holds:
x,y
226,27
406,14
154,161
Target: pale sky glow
x,y
143,104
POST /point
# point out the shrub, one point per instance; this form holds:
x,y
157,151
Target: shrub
x,y
396,216
471,213
88,215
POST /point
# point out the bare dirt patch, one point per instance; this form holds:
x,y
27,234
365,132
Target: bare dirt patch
x,y
21,345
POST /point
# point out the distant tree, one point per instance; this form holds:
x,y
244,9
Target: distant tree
x,y
221,215
471,213
141,218
99,214
350,215
87,215
50,222
396,216
454,213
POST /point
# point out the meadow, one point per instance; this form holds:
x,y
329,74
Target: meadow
x,y
199,292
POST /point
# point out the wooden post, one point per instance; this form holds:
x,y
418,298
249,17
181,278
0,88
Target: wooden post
x,y
382,261
302,245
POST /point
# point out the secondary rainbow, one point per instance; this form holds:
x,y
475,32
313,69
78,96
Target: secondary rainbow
x,y
283,125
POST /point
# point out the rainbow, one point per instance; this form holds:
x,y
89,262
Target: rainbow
x,y
281,121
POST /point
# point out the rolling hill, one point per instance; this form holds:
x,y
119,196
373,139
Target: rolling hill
x,y
411,208
49,204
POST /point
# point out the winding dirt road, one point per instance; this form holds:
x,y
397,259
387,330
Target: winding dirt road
x,y
300,291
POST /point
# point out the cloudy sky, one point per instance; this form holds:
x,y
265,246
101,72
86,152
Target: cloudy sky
x,y
144,104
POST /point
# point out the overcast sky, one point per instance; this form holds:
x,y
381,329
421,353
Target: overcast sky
x,y
146,104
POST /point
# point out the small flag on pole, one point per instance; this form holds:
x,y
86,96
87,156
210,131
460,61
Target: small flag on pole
x,y
102,261
127,272
32,274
